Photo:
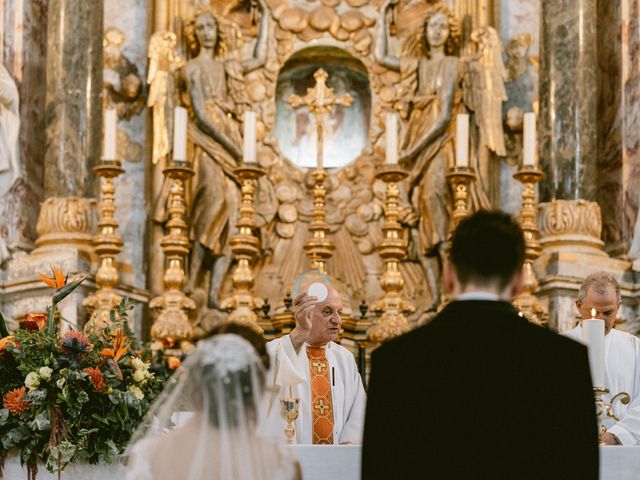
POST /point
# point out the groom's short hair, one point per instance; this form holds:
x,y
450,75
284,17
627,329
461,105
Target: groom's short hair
x,y
487,247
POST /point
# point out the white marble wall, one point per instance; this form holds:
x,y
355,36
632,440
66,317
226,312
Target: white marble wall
x,y
130,17
521,16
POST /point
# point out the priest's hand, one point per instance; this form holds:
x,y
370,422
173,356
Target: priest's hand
x,y
610,439
303,312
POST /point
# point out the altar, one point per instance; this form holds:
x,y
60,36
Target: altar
x,y
334,462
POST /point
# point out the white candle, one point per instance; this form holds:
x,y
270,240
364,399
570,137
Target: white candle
x,y
462,140
593,337
529,147
391,133
110,125
180,134
249,150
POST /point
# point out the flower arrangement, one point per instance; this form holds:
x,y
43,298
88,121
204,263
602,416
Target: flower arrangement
x,y
69,397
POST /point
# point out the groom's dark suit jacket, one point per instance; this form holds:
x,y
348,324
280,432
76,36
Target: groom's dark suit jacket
x,y
480,393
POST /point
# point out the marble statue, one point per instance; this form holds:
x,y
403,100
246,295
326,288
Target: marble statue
x,y
9,124
522,93
214,87
122,82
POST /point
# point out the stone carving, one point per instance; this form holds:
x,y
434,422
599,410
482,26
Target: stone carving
x,y
122,83
9,124
67,221
571,225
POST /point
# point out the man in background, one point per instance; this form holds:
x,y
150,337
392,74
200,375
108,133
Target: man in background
x,y
479,392
600,295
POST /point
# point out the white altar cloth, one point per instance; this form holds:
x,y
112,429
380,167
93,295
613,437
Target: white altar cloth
x,y
336,462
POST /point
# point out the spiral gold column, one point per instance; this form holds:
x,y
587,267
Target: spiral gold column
x,y
245,246
393,249
107,244
173,305
527,302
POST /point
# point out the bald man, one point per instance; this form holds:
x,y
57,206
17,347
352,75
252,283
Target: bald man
x,y
309,365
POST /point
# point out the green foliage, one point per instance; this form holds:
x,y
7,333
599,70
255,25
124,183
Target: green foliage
x,y
81,402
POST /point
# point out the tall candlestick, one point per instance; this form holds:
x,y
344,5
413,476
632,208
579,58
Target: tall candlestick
x,y
110,123
391,133
249,150
180,134
529,147
462,140
593,337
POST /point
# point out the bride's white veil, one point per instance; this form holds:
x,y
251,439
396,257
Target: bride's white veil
x,y
203,425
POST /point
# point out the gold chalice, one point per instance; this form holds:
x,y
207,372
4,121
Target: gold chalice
x,y
289,409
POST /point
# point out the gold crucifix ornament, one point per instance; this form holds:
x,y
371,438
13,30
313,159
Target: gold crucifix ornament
x,y
320,100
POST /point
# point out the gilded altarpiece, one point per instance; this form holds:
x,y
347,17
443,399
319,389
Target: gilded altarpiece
x,y
223,58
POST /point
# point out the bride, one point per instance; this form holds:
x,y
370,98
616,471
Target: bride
x,y
203,426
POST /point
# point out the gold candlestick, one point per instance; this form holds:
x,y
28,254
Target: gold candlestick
x,y
245,246
527,302
606,409
173,304
393,248
319,248
107,244
460,178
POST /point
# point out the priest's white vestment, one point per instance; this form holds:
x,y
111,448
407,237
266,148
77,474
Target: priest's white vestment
x,y
622,374
289,374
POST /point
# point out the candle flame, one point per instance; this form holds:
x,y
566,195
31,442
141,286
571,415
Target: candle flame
x,y
593,313
520,314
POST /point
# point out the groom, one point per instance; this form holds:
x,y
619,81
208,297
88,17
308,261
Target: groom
x,y
479,392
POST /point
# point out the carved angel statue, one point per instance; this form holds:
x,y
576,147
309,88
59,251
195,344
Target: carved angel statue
x,y
484,88
429,98
214,87
162,63
9,124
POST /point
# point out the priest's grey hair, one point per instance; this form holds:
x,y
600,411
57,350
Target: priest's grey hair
x,y
599,281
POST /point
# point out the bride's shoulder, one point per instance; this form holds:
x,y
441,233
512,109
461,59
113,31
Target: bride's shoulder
x,y
289,467
138,466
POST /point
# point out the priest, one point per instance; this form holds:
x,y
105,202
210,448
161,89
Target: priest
x,y
309,365
599,297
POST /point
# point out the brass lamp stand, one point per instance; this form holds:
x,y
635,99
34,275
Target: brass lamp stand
x,y
107,244
245,246
319,248
527,302
393,249
460,178
173,305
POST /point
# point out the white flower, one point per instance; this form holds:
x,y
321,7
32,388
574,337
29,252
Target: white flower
x,y
60,383
136,392
139,376
45,373
32,381
138,364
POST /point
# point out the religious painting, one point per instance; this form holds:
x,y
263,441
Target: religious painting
x,y
345,129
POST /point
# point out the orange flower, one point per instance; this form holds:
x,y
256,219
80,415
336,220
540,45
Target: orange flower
x,y
173,363
120,346
13,401
97,380
168,342
4,343
35,321
58,280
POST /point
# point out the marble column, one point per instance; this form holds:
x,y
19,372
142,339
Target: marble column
x,y
74,83
23,45
73,123
568,99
